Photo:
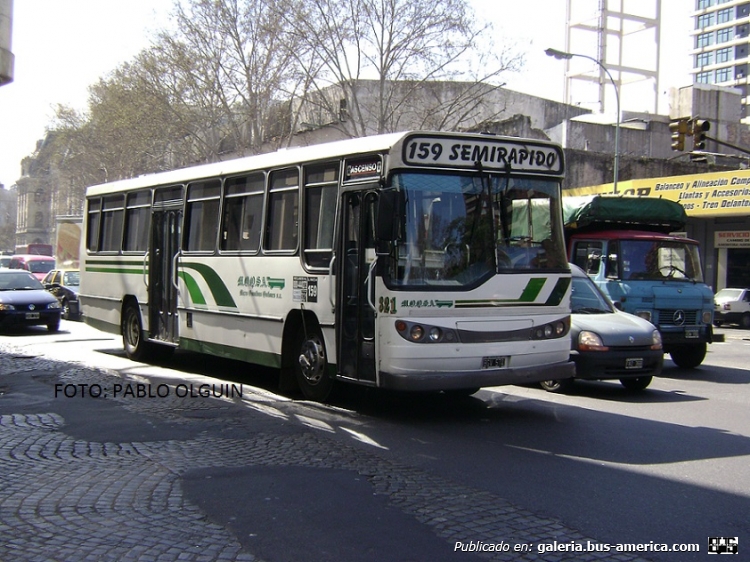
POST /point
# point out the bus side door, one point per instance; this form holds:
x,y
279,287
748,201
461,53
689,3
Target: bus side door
x,y
355,317
162,274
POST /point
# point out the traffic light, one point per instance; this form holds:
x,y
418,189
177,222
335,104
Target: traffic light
x,y
699,129
679,128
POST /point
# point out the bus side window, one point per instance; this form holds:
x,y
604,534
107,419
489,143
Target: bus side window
x,y
321,189
243,213
202,215
282,220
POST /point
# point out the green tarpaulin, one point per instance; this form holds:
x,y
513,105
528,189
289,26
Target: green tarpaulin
x,y
646,213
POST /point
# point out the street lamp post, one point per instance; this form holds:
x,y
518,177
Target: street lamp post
x,y
562,55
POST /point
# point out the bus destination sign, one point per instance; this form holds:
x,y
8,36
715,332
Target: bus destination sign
x,y
496,154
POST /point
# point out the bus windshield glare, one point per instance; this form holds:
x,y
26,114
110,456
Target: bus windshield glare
x,y
458,230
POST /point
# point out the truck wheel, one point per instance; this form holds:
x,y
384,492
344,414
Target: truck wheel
x,y
745,320
688,356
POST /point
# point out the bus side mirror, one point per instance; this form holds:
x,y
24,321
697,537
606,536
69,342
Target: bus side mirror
x,y
391,204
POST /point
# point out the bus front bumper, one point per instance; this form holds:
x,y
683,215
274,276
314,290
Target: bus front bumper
x,y
427,381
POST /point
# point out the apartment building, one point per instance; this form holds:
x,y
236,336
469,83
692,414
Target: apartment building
x,y
721,46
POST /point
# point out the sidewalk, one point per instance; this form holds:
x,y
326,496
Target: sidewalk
x,y
167,477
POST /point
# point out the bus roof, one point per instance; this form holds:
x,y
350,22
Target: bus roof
x,y
284,156
287,157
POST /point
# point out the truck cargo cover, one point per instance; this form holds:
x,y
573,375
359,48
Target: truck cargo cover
x,y
612,212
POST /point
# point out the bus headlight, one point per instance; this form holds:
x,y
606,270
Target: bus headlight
x,y
421,333
416,332
552,330
707,317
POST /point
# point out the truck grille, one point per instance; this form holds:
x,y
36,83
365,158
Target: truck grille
x,y
668,317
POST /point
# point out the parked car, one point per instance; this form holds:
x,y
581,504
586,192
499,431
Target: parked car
x,y
607,343
4,262
732,306
64,284
24,302
36,264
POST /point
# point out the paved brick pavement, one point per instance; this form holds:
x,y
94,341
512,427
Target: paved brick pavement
x,y
218,479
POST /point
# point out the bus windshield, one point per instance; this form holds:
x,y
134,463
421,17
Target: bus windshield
x,y
659,260
458,230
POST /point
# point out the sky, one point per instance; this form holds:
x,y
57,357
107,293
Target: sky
x,y
62,47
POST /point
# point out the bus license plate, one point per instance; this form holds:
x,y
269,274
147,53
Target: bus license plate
x,y
494,362
32,316
691,334
634,363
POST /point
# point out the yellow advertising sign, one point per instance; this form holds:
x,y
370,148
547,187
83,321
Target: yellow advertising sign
x,y
703,195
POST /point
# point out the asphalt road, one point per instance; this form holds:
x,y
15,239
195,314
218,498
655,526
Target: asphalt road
x,y
371,476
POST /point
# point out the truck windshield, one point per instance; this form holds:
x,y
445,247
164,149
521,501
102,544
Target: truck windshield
x,y
660,260
460,229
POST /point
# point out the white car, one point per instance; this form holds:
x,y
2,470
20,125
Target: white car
x,y
607,343
732,306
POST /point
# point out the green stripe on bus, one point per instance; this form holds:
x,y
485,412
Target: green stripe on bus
x,y
528,296
218,289
532,290
557,294
264,358
196,295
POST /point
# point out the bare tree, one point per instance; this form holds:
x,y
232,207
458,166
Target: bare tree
x,y
381,65
231,63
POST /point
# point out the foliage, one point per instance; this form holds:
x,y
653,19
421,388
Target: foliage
x,y
234,77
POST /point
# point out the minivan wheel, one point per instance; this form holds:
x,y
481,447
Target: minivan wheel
x,y
557,386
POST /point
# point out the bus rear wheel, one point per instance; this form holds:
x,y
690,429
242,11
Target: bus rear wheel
x,y
133,337
311,365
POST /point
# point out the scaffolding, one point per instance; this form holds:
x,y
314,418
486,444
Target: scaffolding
x,y
618,33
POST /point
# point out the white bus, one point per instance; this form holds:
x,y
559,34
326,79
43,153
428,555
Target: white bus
x,y
414,261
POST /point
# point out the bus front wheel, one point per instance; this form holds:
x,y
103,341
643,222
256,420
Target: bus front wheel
x,y
311,365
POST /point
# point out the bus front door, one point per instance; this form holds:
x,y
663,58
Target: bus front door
x,y
162,275
355,317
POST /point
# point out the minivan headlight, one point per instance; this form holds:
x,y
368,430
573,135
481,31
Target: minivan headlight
x,y
590,341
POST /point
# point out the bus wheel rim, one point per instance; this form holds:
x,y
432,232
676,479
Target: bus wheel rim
x,y
312,360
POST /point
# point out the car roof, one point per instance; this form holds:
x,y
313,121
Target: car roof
x,y
577,271
33,257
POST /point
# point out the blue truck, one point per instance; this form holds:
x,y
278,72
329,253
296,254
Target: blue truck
x,y
625,246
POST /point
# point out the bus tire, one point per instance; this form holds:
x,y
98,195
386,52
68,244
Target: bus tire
x,y
688,356
311,365
133,336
